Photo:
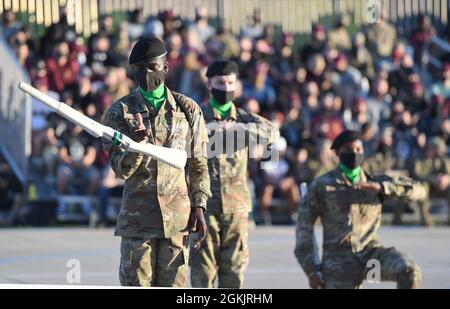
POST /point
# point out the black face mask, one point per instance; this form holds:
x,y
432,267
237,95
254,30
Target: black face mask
x,y
351,160
221,96
149,81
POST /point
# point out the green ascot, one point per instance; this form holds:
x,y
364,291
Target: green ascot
x,y
156,97
222,109
351,174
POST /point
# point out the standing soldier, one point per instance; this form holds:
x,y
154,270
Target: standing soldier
x,y
156,214
348,202
224,253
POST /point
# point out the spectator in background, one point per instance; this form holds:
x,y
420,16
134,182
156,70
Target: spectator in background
x,y
260,87
326,122
135,25
442,87
277,177
361,57
62,70
283,69
122,45
347,81
339,38
381,38
433,170
358,115
12,210
226,44
111,186
255,28
102,56
317,43
187,78
175,54
201,26
245,60
379,104
421,35
77,171
9,24
153,27
84,94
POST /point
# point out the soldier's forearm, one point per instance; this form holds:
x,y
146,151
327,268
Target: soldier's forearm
x,y
124,164
413,191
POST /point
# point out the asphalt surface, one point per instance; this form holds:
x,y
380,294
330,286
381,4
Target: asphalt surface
x,y
47,255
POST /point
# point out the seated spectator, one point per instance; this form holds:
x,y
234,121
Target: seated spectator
x,y
317,44
381,37
277,177
62,70
339,37
255,28
201,26
111,186
77,168
379,104
421,35
260,87
12,210
442,87
9,24
361,57
433,169
347,81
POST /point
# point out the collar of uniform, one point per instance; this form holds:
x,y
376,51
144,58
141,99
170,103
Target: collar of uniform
x,y
170,99
142,106
211,113
341,179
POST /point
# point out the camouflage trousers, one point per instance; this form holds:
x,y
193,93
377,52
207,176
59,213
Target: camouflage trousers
x,y
157,262
343,269
223,254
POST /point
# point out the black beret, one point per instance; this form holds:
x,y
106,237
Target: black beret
x,y
147,48
345,137
222,67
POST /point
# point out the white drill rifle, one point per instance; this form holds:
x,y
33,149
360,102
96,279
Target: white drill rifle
x,y
173,157
317,262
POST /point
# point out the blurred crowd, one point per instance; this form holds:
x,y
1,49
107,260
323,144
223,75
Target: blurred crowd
x,y
368,81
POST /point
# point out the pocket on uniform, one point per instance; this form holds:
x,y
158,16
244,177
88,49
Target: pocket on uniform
x,y
140,258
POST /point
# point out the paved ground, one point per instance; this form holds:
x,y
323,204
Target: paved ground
x,y
40,256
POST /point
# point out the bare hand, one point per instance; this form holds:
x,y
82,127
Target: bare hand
x,y
315,282
371,186
197,224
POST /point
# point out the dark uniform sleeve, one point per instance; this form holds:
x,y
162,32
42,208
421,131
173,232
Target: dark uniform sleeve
x,y
123,163
198,162
310,209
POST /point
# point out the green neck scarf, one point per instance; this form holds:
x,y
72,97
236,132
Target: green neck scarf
x,y
156,97
222,109
352,175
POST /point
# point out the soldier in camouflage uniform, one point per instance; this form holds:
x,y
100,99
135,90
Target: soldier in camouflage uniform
x,y
348,202
224,253
434,172
157,214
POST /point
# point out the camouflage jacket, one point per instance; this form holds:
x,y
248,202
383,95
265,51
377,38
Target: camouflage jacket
x,y
427,168
156,199
350,216
228,168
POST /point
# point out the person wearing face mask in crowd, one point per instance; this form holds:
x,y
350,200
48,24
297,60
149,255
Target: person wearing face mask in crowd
x,y
224,253
158,211
348,201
